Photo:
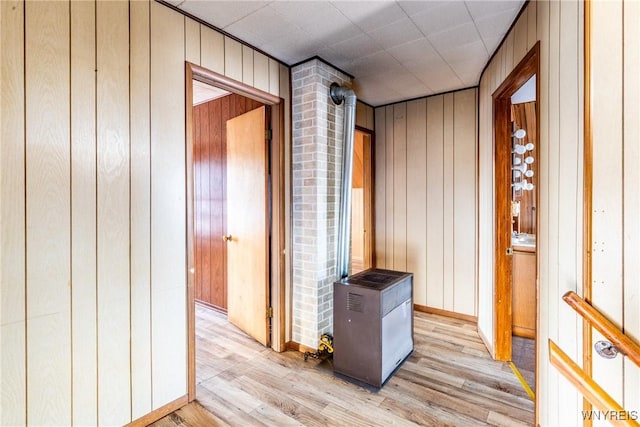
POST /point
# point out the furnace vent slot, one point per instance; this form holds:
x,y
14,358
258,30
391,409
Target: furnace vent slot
x,y
355,302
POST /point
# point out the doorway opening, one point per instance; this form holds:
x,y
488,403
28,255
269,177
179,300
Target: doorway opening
x,y
361,197
212,109
516,160
235,208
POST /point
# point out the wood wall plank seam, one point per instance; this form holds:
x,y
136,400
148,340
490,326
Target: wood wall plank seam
x,y
426,199
406,203
151,275
141,381
453,204
442,303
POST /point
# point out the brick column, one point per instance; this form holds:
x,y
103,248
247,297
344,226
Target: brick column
x,y
317,155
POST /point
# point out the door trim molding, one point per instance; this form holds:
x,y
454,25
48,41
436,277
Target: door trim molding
x,y
277,264
527,67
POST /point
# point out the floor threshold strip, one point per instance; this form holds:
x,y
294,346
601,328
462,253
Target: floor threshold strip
x,y
526,387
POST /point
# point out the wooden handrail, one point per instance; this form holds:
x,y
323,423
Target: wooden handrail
x,y
623,343
589,388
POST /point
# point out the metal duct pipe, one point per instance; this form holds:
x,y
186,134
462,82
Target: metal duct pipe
x,y
339,94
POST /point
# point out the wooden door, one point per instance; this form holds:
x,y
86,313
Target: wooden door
x,y
361,195
210,169
247,224
357,206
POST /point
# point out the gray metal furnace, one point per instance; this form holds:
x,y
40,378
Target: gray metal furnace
x,y
372,324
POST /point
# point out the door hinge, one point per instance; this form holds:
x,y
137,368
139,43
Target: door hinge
x,y
268,134
270,312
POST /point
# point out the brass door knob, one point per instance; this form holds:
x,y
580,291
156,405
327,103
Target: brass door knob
x,y
227,238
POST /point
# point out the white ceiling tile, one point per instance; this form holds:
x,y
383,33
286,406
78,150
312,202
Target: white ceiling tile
x,y
377,63
357,47
399,32
418,51
374,90
370,15
221,13
292,49
396,49
435,64
440,79
431,73
332,27
404,83
495,25
366,83
322,22
304,10
469,77
203,92
244,31
474,50
458,36
470,66
492,43
263,29
413,7
482,8
441,18
334,57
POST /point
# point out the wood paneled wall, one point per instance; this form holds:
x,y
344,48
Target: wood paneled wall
x,y
615,100
425,197
92,207
364,116
560,183
210,189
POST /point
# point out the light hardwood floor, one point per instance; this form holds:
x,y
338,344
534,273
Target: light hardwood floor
x,y
523,355
450,379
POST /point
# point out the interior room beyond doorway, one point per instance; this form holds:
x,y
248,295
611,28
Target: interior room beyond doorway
x,y
361,195
213,107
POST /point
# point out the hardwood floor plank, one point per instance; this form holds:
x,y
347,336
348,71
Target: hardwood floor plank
x,y
470,398
228,412
271,416
444,396
404,399
502,420
356,417
195,415
285,403
227,391
453,380
450,379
